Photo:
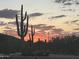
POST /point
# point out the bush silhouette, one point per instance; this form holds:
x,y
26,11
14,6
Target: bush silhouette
x,y
68,45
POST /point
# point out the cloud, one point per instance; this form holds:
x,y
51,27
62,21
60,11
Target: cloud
x,y
13,23
77,24
76,29
73,10
68,3
35,14
74,21
67,22
40,25
58,30
60,16
7,27
8,13
60,1
43,26
77,2
2,23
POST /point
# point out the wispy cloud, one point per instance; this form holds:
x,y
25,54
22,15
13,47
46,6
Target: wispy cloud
x,y
2,23
66,22
6,13
13,23
35,14
67,2
74,21
72,10
58,30
59,16
43,26
77,15
7,27
9,13
77,24
48,28
76,29
77,2
60,1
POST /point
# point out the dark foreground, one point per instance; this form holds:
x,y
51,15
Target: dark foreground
x,y
52,56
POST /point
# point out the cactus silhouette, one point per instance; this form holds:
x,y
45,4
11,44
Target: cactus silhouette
x,y
39,40
45,41
32,32
22,28
30,40
45,44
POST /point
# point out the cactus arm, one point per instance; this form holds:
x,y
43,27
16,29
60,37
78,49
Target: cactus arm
x,y
25,16
25,31
26,26
27,21
21,12
32,32
18,30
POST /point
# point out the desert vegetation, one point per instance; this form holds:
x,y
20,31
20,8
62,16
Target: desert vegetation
x,y
68,45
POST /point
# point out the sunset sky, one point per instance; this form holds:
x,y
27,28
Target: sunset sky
x,y
53,16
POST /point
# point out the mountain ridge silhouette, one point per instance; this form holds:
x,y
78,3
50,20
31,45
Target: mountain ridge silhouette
x,y
10,44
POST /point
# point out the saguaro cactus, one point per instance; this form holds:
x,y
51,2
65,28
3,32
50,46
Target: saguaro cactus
x,y
22,28
30,41
32,32
45,41
45,44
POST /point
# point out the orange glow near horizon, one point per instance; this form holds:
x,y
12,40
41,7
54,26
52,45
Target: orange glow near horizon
x,y
37,36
